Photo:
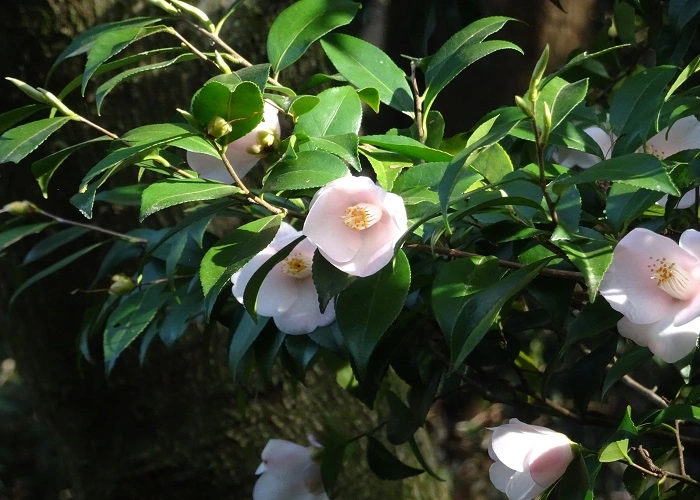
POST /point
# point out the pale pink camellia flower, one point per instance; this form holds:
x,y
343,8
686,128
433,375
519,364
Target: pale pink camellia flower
x,y
684,134
289,471
287,293
243,153
529,458
655,283
356,224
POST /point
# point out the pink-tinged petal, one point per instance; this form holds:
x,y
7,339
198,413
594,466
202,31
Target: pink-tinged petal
x,y
686,201
303,315
208,167
522,487
690,242
549,459
670,343
628,285
511,443
356,189
325,228
396,210
376,251
277,293
684,134
500,476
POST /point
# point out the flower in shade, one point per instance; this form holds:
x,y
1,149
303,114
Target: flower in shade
x,y
355,224
529,458
243,153
289,471
287,293
655,283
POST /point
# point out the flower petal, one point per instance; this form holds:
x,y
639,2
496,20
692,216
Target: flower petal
x,y
510,443
670,343
568,157
684,134
303,315
522,487
209,167
500,476
277,293
548,460
283,457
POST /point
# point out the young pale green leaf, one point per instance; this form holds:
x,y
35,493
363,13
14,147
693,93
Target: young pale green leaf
x,y
18,142
567,98
368,307
301,24
170,192
52,243
338,112
493,163
576,61
479,312
14,234
692,68
109,85
365,65
678,412
463,49
52,269
370,96
637,169
14,116
309,169
591,256
328,279
343,146
244,336
407,146
240,104
232,251
110,43
44,169
128,320
615,451
258,74
625,364
384,464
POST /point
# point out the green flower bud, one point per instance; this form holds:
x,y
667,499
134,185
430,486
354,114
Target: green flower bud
x,y
537,74
167,7
218,127
194,11
267,138
523,106
23,207
56,103
121,285
28,89
547,124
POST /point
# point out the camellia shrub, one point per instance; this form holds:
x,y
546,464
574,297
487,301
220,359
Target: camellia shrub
x,y
542,259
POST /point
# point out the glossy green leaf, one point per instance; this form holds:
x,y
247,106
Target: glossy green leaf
x,y
387,165
309,169
128,320
681,12
18,142
170,192
14,234
109,85
343,146
328,279
678,412
594,318
624,16
463,49
626,203
567,98
692,68
370,96
180,308
368,307
302,351
479,312
365,65
301,24
244,336
407,146
384,464
10,118
50,244
338,112
258,74
127,196
493,163
591,256
625,364
568,209
615,451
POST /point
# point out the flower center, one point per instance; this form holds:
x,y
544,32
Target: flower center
x,y
297,266
362,216
672,279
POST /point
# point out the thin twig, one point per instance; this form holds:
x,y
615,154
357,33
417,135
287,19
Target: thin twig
x,y
450,252
656,471
679,443
130,239
192,48
418,104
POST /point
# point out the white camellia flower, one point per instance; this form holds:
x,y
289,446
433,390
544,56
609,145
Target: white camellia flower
x,y
683,134
356,224
243,153
655,283
289,472
529,458
288,293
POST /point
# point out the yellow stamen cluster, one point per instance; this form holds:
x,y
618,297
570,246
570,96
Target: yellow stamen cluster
x,y
362,216
297,266
672,279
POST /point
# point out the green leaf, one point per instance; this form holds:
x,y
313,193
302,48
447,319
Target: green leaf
x,y
626,203
309,169
338,112
365,65
493,163
370,96
14,116
594,318
343,146
681,12
244,336
128,320
576,61
407,146
678,412
13,235
258,74
44,169
232,251
687,72
170,192
591,256
109,85
302,351
18,142
180,308
568,209
368,307
128,196
481,309
110,43
463,49
52,269
625,364
567,98
624,18
301,24
637,169
615,451
328,279
241,104
84,42
52,243
384,464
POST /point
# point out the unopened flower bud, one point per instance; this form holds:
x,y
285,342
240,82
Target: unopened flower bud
x,y
267,138
166,6
23,207
121,285
538,73
56,103
522,105
547,123
254,149
27,89
218,127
